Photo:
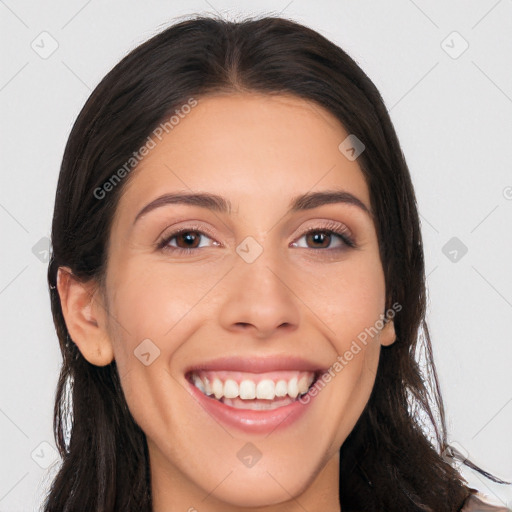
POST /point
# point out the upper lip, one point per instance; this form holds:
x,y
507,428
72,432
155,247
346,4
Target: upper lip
x,y
257,364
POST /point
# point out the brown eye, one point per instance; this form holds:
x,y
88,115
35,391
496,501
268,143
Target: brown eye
x,y
190,239
186,240
319,239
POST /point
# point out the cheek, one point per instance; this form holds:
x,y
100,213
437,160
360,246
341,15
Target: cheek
x,y
147,310
351,302
348,297
149,301
154,309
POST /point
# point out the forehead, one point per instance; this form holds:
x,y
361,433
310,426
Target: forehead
x,y
248,147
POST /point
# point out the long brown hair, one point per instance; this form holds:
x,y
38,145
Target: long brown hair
x,y
388,462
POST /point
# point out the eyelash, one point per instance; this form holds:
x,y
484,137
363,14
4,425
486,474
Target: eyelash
x,y
331,228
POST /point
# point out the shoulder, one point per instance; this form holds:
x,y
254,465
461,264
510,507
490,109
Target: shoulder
x,y
476,503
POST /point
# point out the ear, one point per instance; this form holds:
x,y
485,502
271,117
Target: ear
x,y
387,335
85,317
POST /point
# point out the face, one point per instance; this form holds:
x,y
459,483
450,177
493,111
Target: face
x,y
224,312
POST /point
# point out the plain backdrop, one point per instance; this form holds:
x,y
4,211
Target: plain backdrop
x,y
444,71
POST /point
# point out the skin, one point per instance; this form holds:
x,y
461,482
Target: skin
x,y
310,300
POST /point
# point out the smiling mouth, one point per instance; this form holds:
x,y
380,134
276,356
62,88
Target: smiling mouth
x,y
255,391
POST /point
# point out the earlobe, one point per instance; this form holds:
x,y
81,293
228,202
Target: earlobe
x,y
387,335
85,317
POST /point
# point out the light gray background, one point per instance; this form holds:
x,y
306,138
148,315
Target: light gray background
x,y
454,120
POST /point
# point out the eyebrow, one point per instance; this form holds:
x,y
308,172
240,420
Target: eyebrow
x,y
219,204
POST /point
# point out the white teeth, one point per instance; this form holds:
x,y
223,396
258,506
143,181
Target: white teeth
x,y
293,389
247,390
230,389
303,384
207,386
198,383
217,388
281,388
266,389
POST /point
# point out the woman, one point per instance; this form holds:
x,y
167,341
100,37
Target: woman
x,y
237,283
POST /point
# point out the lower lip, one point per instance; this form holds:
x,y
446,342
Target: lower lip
x,y
254,421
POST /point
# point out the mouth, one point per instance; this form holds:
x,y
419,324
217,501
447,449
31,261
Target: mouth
x,y
253,391
256,395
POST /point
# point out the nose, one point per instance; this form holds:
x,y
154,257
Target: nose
x,y
259,298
